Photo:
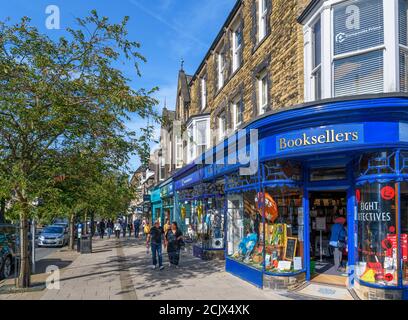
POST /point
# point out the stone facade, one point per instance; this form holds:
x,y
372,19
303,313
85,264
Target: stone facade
x,y
279,54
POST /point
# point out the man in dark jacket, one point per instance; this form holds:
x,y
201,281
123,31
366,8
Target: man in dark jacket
x,y
102,229
155,238
136,225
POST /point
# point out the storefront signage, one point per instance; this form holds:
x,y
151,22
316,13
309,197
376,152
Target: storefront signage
x,y
320,137
404,246
189,180
373,212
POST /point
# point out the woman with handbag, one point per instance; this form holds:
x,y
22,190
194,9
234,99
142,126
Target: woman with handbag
x,y
174,240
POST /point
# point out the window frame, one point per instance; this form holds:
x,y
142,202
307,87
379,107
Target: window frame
x,y
334,57
220,69
237,51
263,76
316,70
235,104
192,143
262,19
203,91
222,122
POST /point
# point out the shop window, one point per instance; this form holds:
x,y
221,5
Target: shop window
x,y
245,229
377,253
404,230
213,223
404,162
358,33
282,170
284,231
325,174
377,163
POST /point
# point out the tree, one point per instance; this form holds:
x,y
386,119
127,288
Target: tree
x,y
55,94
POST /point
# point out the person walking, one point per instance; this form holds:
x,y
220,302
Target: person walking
x,y
155,238
146,228
173,239
129,228
124,228
167,226
338,241
117,228
136,226
109,228
102,228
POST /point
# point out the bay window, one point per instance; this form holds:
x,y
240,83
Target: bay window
x,y
358,40
198,132
355,47
178,151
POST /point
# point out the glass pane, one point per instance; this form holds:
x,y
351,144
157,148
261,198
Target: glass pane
x,y
361,74
376,260
201,132
245,231
358,24
403,70
324,174
318,84
377,163
213,223
403,37
317,49
404,230
284,236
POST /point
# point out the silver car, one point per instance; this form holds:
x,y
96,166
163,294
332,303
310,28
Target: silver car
x,y
53,236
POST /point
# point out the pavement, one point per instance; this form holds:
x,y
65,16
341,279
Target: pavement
x,y
121,270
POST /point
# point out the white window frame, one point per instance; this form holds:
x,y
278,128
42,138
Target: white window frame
x,y
236,50
262,15
263,76
192,145
222,128
203,92
390,49
178,150
235,104
220,69
316,69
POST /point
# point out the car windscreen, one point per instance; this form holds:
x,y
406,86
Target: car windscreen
x,y
53,230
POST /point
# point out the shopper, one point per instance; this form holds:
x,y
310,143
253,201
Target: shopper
x,y
146,229
167,226
155,238
124,228
129,228
338,241
117,228
102,228
109,228
136,226
174,239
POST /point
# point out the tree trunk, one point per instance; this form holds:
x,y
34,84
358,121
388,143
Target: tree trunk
x,y
72,231
2,210
24,277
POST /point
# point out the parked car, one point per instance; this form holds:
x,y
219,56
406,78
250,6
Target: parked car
x,y
8,240
53,236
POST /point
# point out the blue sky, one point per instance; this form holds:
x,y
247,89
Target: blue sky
x,y
168,31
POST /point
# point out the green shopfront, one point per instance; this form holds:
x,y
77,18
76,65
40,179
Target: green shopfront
x,y
167,197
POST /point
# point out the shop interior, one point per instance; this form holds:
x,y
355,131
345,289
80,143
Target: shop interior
x,y
326,209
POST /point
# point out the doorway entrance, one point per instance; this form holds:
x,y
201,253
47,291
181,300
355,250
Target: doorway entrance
x,y
328,215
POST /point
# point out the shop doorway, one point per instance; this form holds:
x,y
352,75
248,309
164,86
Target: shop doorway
x,y
328,208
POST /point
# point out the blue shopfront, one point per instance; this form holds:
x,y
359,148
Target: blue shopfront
x,y
201,209
156,204
339,163
167,197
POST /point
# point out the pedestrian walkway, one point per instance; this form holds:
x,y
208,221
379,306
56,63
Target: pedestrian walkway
x,y
121,270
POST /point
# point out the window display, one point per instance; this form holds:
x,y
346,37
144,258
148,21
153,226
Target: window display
x,y
404,230
377,243
245,232
213,224
283,229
